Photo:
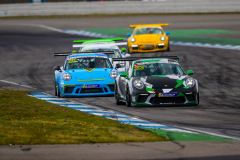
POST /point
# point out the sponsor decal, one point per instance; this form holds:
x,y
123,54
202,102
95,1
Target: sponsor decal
x,y
91,85
139,68
167,95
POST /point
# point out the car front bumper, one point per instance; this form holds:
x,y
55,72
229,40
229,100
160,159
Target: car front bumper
x,y
153,99
148,47
81,90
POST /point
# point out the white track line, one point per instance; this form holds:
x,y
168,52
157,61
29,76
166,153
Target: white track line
x,y
17,84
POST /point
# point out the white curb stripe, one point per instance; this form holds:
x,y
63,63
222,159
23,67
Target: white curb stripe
x,y
123,118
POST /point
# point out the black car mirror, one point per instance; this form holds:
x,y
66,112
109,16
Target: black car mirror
x,y
118,65
57,68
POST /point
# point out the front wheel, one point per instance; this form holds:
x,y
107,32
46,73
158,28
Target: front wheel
x,y
198,98
129,51
128,99
116,95
168,49
58,91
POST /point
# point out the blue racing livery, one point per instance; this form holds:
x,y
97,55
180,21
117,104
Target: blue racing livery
x,y
88,74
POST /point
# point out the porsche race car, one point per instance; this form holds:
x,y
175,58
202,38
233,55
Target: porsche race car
x,y
85,74
104,45
148,38
156,82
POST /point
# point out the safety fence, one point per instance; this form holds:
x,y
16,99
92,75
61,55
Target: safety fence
x,y
119,7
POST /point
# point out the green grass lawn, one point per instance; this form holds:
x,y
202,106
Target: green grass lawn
x,y
27,120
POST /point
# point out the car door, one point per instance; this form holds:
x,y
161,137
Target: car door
x,y
124,81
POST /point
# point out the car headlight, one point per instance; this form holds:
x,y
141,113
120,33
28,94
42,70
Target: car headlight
x,y
138,84
113,74
162,38
132,39
67,77
190,82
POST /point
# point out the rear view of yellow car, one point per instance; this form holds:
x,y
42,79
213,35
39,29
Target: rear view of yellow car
x,y
148,38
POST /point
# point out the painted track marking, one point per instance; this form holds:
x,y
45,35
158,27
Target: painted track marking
x,y
17,84
118,116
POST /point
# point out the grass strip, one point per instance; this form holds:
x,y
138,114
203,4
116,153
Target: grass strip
x,y
27,120
183,136
113,15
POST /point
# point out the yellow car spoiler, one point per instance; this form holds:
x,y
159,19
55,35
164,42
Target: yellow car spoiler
x,y
149,25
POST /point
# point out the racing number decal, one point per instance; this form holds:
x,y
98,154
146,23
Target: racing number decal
x,y
72,60
136,68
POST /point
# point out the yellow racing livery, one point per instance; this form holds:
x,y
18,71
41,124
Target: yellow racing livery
x,y
148,38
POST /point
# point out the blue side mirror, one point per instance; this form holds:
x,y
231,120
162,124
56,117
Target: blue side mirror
x,y
129,34
167,32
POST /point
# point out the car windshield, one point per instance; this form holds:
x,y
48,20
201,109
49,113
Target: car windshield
x,y
116,54
88,62
148,30
157,69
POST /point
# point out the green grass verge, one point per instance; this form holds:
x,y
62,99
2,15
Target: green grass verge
x,y
183,136
113,15
27,120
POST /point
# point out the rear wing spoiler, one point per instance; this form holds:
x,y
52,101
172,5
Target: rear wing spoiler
x,y
139,58
112,39
148,25
103,44
76,53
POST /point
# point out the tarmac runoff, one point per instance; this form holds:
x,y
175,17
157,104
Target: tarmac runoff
x,y
173,133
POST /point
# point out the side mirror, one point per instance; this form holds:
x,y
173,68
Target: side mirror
x,y
129,34
57,68
127,55
123,49
74,51
190,72
123,74
118,65
167,32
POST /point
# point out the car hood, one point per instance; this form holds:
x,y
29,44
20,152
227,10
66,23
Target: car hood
x,y
163,82
90,74
146,38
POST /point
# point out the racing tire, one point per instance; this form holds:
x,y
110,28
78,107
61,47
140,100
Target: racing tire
x,y
58,92
116,95
55,89
129,51
168,49
128,99
198,98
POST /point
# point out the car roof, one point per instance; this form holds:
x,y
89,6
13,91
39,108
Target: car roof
x,y
98,42
88,54
155,60
103,46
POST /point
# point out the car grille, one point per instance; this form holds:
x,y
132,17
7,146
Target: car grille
x,y
68,89
158,100
190,97
142,98
91,90
111,87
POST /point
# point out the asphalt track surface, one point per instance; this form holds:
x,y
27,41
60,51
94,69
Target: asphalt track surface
x,y
26,52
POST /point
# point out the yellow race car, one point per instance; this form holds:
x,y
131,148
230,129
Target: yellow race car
x,y
148,38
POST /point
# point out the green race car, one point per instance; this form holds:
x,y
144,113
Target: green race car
x,y
156,82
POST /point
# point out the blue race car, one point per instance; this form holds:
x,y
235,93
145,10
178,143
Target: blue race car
x,y
85,74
